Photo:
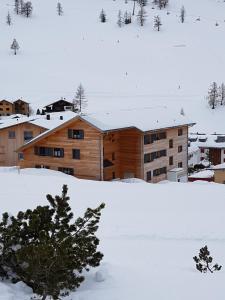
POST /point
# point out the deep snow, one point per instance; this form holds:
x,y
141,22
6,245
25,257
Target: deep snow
x,y
124,67
149,234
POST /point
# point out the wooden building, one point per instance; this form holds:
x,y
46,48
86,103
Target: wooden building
x,y
13,136
88,148
21,107
6,108
219,173
57,106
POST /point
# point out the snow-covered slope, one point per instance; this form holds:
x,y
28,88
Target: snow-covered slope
x,y
149,234
124,67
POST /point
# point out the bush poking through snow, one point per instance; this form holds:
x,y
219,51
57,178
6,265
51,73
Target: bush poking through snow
x,y
46,249
204,261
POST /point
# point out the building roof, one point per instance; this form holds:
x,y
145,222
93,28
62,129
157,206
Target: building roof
x,y
3,100
202,174
62,99
219,167
143,120
21,101
208,140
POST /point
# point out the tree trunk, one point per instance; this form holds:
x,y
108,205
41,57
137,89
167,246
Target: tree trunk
x,y
44,297
134,7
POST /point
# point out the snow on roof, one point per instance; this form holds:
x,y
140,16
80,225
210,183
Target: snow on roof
x,y
203,174
219,167
144,119
208,141
5,123
193,149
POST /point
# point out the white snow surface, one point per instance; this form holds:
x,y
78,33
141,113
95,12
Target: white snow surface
x,y
126,67
148,234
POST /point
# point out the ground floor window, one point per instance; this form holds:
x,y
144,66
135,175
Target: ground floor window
x,y
160,171
68,171
149,176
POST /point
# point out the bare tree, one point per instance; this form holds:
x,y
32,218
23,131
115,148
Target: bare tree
x,y
80,101
141,16
17,7
15,46
182,14
59,9
213,95
8,19
134,6
221,94
120,20
157,23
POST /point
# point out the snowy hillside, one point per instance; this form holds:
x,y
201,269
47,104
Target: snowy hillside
x,y
124,67
160,233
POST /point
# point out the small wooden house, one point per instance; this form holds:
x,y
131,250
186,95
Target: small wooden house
x,y
57,106
21,107
6,108
111,146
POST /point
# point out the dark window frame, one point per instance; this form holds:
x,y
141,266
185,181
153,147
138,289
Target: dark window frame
x,y
76,153
76,134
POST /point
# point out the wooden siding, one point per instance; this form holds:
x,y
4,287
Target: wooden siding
x,y
6,108
219,176
8,146
164,145
126,146
89,164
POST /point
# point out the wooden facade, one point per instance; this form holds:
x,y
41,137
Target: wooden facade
x,y
57,106
21,107
101,155
6,108
13,137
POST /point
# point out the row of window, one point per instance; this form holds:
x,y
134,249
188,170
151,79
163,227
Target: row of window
x,y
160,171
55,152
151,138
150,157
28,135
69,171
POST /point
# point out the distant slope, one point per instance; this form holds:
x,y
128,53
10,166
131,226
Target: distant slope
x,y
131,66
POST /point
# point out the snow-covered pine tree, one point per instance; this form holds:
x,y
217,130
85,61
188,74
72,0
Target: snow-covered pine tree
x,y
213,95
221,94
15,46
17,7
141,16
127,18
157,23
27,9
142,2
80,101
134,6
102,16
8,19
182,111
21,8
182,14
59,9
120,20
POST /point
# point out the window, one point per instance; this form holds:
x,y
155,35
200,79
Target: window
x,y
68,171
7,109
113,175
113,156
42,167
180,165
180,149
1,109
76,153
149,157
151,138
149,176
160,171
20,156
202,150
12,135
75,134
170,144
171,160
180,131
28,135
58,152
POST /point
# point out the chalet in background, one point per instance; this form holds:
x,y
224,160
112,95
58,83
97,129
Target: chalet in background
x,y
19,106
57,106
145,144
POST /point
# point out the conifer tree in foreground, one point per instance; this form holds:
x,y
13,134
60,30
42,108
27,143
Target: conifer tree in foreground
x,y
157,23
46,249
59,9
213,95
204,261
221,94
8,19
15,46
27,9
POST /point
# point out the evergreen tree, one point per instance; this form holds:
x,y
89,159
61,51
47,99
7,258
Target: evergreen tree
x,y
38,112
17,7
59,9
102,16
182,14
127,18
134,6
157,23
204,261
27,9
213,95
141,16
46,249
21,10
15,46
119,21
221,94
8,19
80,101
